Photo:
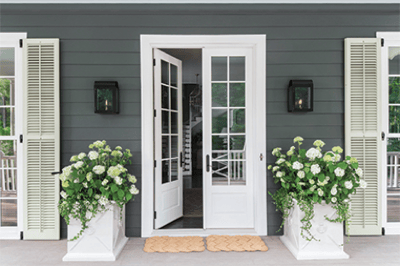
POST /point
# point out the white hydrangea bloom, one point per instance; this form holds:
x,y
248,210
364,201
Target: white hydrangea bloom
x,y
334,199
339,172
313,153
121,168
297,165
279,174
359,172
363,184
76,180
333,191
313,188
98,144
81,155
336,158
64,194
276,151
103,201
118,180
74,158
118,148
116,154
85,185
89,215
133,190
105,182
89,176
297,139
327,157
319,143
337,149
281,160
108,149
301,174
275,168
315,169
311,181
132,178
93,155
113,171
348,184
78,165
97,196
99,169
289,153
320,192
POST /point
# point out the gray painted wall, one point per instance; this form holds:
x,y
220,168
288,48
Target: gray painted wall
x,y
102,42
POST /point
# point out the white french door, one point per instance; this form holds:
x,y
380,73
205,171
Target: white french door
x,y
10,131
227,141
391,127
168,138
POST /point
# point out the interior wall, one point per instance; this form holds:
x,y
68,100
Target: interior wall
x,y
102,42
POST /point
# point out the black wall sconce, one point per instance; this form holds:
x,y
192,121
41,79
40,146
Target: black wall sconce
x,y
106,97
301,96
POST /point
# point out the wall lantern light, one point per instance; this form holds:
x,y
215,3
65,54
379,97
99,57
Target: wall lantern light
x,y
106,97
300,96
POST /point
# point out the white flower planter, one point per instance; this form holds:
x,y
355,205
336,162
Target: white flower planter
x,y
330,235
102,241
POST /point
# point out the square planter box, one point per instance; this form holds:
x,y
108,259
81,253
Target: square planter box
x,y
102,241
330,235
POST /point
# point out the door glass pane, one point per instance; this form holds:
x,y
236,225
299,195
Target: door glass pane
x,y
174,99
174,169
165,122
7,91
237,95
165,147
394,90
219,143
174,75
174,123
7,62
8,168
236,68
220,173
219,95
165,97
165,171
394,119
219,68
237,122
174,146
164,72
394,60
237,143
237,172
7,121
219,121
8,212
393,180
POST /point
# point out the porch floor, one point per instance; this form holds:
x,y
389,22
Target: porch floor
x,y
378,250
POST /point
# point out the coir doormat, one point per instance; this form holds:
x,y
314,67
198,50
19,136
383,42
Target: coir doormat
x,y
174,244
235,243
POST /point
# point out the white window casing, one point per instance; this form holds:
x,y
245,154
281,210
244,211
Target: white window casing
x,y
41,138
363,130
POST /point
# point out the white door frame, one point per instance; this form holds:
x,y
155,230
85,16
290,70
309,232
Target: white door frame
x,y
390,38
147,43
12,40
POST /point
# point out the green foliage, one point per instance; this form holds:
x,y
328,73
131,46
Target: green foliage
x,y
94,181
394,111
311,177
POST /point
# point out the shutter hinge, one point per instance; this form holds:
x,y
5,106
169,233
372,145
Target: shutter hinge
x,y
382,42
20,43
261,157
154,62
21,237
155,215
21,138
383,135
383,231
155,163
155,112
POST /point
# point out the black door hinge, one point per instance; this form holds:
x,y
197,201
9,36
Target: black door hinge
x,y
20,43
155,215
383,231
21,138
155,163
154,62
382,42
155,113
383,135
21,237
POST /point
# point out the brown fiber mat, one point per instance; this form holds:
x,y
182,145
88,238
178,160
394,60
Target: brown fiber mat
x,y
235,243
174,244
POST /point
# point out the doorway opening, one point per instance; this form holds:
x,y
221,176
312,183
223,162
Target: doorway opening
x,y
192,131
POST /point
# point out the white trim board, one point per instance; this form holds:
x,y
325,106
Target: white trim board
x,y
200,2
147,43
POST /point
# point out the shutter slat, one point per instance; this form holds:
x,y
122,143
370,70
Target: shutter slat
x,y
362,130
42,134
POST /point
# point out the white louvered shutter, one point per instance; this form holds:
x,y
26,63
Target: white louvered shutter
x,y
41,138
363,130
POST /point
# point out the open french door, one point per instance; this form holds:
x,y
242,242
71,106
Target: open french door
x,y
227,137
168,138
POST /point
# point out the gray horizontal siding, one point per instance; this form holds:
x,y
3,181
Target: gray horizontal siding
x,y
102,42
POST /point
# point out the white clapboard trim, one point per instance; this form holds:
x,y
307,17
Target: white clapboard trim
x,y
41,138
363,130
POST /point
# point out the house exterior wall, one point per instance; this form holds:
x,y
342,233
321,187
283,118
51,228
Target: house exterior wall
x,y
102,42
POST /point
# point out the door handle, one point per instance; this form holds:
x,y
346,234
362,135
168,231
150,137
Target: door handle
x,y
208,163
182,161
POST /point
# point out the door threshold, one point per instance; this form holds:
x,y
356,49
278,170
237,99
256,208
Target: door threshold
x,y
203,232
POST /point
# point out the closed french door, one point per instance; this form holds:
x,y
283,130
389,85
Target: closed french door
x,y
391,126
168,138
10,130
227,141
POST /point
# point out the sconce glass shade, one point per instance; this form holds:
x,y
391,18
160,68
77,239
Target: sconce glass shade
x,y
106,97
301,96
